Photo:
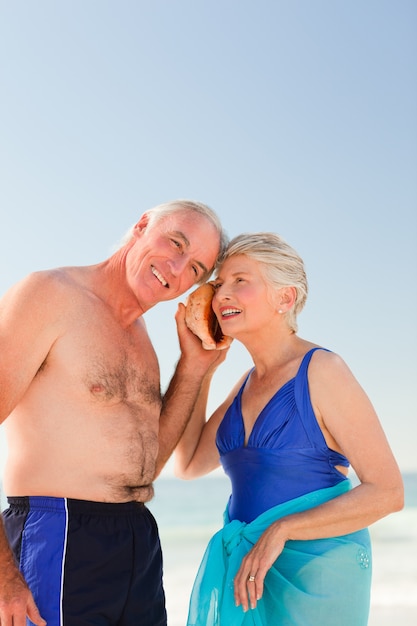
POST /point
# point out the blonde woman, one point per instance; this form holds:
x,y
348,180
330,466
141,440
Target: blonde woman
x,y
295,549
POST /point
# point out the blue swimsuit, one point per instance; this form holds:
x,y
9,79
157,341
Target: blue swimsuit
x,y
88,562
285,468
286,455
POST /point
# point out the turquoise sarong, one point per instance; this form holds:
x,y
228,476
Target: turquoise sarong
x,y
319,582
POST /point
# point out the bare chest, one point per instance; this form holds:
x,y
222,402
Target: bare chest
x,y
97,361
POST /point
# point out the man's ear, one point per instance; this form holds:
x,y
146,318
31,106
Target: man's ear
x,y
141,225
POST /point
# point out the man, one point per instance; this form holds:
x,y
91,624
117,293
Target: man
x,y
80,388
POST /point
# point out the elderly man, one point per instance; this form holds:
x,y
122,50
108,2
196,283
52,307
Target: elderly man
x,y
87,428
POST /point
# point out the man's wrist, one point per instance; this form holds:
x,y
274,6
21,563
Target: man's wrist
x,y
194,369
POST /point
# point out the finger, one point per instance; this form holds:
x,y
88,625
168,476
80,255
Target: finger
x,y
246,592
249,580
251,587
180,312
34,614
242,583
259,585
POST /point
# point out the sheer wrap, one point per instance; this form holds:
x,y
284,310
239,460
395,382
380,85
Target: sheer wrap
x,y
319,582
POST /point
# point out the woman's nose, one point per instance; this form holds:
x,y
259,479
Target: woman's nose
x,y
221,293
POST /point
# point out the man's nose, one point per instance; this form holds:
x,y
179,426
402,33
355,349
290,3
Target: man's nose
x,y
178,264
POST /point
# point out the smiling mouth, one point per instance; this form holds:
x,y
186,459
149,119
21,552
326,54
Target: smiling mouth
x,y
159,277
230,312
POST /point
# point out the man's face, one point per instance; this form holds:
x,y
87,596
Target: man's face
x,y
170,256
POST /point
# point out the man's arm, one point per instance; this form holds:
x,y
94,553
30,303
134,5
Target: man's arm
x,y
26,333
194,365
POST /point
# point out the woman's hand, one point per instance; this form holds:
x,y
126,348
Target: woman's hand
x,y
249,581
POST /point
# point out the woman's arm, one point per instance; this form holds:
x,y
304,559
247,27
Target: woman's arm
x,y
196,453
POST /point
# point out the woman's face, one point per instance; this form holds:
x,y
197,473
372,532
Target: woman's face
x,y
243,301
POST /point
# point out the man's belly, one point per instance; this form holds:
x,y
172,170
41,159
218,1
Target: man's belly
x,y
100,478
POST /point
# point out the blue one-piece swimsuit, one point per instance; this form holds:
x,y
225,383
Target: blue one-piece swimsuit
x,y
285,468
286,455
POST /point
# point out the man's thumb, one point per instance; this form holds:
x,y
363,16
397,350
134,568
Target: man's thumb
x,y
33,613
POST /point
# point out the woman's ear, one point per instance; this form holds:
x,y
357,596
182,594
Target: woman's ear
x,y
286,299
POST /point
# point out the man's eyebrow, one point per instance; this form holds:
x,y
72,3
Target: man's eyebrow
x,y
181,235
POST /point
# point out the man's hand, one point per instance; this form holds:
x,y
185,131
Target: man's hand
x,y
16,600
192,349
195,366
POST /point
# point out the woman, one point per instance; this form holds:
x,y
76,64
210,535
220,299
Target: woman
x,y
295,549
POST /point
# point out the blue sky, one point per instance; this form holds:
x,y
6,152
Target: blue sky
x,y
297,117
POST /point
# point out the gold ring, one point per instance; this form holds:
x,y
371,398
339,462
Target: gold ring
x,y
251,579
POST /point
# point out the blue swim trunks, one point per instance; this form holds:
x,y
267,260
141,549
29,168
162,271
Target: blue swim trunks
x,y
89,562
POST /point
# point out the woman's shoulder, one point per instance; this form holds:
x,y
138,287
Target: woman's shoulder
x,y
326,363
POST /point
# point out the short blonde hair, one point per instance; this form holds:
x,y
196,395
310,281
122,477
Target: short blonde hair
x,y
281,265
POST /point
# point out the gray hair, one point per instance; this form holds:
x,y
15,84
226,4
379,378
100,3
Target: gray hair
x,y
280,263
